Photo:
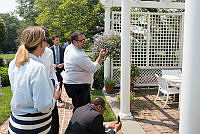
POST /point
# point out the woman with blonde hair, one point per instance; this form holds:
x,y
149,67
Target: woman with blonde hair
x,y
33,98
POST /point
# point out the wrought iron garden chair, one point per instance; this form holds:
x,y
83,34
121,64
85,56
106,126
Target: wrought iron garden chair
x,y
164,88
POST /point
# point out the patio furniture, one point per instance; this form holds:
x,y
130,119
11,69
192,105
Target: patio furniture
x,y
176,72
173,73
164,88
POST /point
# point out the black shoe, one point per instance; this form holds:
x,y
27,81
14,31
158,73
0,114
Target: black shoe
x,y
60,100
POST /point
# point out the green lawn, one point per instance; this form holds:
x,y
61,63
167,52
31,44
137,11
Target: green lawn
x,y
5,110
7,56
108,114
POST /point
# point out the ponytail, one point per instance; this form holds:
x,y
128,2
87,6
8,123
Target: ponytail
x,y
31,37
22,56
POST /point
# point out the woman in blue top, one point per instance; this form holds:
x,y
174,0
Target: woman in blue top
x,y
33,95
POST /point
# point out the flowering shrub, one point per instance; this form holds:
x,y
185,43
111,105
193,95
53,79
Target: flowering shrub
x,y
111,42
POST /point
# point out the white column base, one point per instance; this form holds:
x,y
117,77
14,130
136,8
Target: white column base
x,y
125,116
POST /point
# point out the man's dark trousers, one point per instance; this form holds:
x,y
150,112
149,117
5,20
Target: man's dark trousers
x,y
80,94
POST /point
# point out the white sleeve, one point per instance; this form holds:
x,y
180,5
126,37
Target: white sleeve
x,y
42,91
52,74
86,64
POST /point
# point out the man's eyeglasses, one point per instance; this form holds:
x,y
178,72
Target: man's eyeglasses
x,y
104,107
82,41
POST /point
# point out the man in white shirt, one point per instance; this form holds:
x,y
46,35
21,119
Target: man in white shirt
x,y
48,61
79,70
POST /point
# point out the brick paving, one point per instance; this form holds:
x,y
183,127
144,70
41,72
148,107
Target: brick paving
x,y
152,117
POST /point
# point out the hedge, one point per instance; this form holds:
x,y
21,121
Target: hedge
x,y
4,76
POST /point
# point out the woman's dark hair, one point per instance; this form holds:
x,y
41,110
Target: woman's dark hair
x,y
47,34
55,36
74,35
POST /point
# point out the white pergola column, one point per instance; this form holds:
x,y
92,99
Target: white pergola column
x,y
125,62
190,88
107,32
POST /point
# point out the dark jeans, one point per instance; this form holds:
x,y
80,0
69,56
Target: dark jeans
x,y
80,94
55,117
55,121
60,79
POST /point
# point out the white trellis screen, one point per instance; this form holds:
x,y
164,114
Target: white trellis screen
x,y
156,43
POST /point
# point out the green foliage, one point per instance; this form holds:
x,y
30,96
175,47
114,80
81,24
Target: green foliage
x,y
135,72
7,56
4,76
5,100
108,114
110,42
26,10
62,17
5,59
132,96
3,30
2,62
12,25
109,82
98,79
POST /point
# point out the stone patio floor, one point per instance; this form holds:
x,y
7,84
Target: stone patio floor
x,y
151,116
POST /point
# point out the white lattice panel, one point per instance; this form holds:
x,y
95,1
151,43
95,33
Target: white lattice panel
x,y
156,42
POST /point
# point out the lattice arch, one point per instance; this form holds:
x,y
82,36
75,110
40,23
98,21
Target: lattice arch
x,y
156,43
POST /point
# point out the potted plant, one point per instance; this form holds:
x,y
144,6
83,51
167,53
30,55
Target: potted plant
x,y
135,72
109,85
132,95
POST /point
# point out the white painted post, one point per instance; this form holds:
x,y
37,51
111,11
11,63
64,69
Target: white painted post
x,y
125,62
190,88
107,32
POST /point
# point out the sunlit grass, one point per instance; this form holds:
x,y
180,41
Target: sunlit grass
x,y
108,114
7,56
5,110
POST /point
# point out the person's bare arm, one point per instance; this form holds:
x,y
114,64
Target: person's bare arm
x,y
101,55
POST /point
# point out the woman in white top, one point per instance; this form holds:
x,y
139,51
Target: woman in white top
x,y
33,99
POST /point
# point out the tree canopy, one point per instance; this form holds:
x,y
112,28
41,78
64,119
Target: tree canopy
x,y
12,26
2,30
62,17
26,10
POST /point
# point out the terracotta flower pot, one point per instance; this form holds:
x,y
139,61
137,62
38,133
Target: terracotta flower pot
x,y
132,86
109,89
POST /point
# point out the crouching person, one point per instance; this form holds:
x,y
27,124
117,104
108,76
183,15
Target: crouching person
x,y
88,119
